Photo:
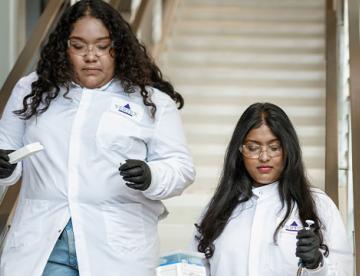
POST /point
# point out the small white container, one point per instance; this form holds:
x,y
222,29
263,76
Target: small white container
x,y
182,263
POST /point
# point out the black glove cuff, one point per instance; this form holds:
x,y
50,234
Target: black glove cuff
x,y
316,265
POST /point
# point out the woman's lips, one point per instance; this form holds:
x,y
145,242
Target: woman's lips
x,y
91,70
264,169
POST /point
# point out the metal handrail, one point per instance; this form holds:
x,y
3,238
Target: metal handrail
x,y
354,81
139,16
170,7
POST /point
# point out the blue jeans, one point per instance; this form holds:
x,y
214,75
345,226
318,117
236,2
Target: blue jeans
x,y
63,261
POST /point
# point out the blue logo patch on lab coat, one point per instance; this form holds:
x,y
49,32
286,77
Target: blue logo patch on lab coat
x,y
127,110
293,227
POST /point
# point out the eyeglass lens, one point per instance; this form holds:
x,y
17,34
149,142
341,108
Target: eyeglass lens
x,y
255,150
80,48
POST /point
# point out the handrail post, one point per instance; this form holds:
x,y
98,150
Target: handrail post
x,y
140,15
331,140
354,50
123,6
170,7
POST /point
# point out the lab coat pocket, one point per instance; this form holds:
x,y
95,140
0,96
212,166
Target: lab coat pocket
x,y
124,226
117,133
282,255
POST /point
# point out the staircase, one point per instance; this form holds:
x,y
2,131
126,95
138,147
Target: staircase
x,y
224,55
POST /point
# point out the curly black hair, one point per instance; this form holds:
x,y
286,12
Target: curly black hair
x,y
133,65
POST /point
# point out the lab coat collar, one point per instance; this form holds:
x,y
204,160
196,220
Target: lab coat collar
x,y
102,88
265,191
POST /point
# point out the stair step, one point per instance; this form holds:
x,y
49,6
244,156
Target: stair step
x,y
211,174
242,27
235,50
198,120
240,59
247,73
233,92
242,101
214,30
208,177
255,82
207,65
241,52
226,129
245,12
234,42
225,35
208,150
257,3
224,138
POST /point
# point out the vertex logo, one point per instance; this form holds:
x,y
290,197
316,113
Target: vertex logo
x,y
293,227
126,109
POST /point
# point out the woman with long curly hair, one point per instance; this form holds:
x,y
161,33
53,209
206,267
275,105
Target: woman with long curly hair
x,y
254,223
114,147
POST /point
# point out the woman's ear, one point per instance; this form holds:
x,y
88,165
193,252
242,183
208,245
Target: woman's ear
x,y
112,53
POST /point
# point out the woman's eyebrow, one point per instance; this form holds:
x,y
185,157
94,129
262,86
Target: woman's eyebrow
x,y
258,142
84,40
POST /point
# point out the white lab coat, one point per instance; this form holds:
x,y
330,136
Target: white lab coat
x,y
246,246
85,139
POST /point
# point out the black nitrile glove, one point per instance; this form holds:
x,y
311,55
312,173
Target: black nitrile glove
x,y
136,173
307,248
6,169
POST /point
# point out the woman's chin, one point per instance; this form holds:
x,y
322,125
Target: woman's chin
x,y
92,82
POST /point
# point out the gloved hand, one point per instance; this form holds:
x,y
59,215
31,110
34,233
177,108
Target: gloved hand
x,y
6,169
307,248
136,173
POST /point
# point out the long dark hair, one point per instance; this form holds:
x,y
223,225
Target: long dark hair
x,y
133,65
235,185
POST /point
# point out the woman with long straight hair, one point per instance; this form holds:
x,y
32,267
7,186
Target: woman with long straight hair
x,y
254,223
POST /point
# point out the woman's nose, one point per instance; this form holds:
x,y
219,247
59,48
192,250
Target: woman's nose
x,y
264,156
90,55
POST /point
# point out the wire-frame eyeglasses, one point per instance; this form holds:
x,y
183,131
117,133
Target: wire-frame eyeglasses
x,y
80,48
254,151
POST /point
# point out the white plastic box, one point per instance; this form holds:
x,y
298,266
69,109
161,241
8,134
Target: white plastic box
x,y
181,263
